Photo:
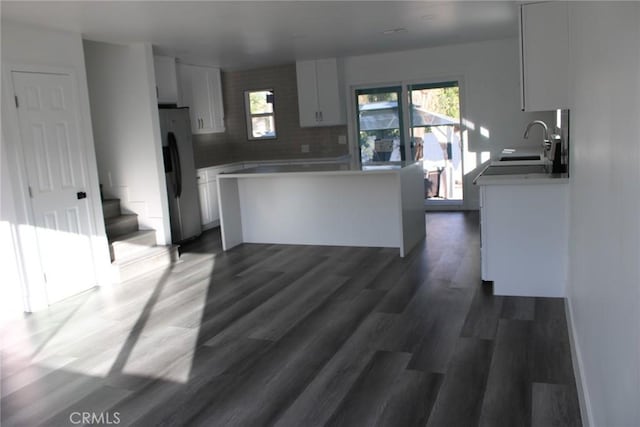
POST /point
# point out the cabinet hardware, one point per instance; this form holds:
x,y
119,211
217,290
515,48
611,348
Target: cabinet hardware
x,y
17,103
321,118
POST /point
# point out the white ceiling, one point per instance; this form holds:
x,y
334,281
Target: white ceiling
x,y
247,34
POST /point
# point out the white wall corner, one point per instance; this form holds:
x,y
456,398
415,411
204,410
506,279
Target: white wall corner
x,y
163,226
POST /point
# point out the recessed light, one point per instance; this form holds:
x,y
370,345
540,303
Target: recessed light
x,y
395,31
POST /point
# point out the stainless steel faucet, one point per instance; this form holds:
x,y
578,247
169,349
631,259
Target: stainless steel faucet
x,y
547,140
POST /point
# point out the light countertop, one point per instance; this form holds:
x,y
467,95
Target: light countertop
x,y
519,175
319,169
271,162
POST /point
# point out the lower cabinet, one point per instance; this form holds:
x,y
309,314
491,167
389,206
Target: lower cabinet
x,y
208,192
524,238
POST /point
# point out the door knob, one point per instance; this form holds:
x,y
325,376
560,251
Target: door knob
x,y
81,195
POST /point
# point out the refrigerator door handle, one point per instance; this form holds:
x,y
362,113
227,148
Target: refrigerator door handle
x,y
175,161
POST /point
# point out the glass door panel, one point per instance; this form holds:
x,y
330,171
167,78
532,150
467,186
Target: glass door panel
x,y
435,138
380,127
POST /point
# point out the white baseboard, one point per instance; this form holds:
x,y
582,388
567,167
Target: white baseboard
x,y
578,368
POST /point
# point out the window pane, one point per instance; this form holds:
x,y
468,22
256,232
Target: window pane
x,y
261,102
379,125
263,127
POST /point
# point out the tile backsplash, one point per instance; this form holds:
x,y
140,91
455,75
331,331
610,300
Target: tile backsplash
x,y
233,144
211,149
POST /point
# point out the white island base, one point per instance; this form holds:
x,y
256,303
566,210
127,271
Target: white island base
x,y
323,205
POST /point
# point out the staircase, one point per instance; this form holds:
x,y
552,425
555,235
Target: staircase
x,y
133,251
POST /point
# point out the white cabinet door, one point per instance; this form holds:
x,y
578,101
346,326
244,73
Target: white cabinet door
x,y
544,44
208,190
200,100
307,93
166,79
484,244
202,93
330,102
320,100
213,201
203,193
215,100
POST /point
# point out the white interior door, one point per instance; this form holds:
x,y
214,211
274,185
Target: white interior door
x,y
57,174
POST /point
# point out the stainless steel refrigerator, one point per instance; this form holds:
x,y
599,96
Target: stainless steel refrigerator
x,y
180,173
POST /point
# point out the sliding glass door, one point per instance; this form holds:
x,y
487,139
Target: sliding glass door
x,y
426,126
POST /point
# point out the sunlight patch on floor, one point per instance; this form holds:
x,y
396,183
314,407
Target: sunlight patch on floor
x,y
155,336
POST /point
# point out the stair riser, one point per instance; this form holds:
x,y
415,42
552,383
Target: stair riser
x,y
158,262
125,226
120,250
111,208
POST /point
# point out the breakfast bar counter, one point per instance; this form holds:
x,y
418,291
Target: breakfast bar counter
x,y
378,205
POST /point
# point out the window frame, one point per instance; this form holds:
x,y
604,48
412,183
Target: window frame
x,y
249,115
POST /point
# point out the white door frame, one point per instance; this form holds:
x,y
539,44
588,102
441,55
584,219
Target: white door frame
x,y
25,239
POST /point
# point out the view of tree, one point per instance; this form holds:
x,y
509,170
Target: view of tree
x,y
443,100
377,97
258,102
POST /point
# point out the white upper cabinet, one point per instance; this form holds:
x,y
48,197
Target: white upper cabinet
x,y
320,99
201,91
166,81
544,53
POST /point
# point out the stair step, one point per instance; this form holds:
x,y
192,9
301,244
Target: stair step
x,y
121,225
154,258
111,208
126,245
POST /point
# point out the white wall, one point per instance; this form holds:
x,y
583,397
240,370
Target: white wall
x,y
604,288
490,98
41,50
127,131
11,290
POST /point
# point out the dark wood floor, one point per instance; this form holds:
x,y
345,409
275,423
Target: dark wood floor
x,y
298,336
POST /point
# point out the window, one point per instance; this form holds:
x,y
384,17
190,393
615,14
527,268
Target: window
x,y
261,120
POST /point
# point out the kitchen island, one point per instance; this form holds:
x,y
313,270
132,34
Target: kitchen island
x,y
524,230
324,204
